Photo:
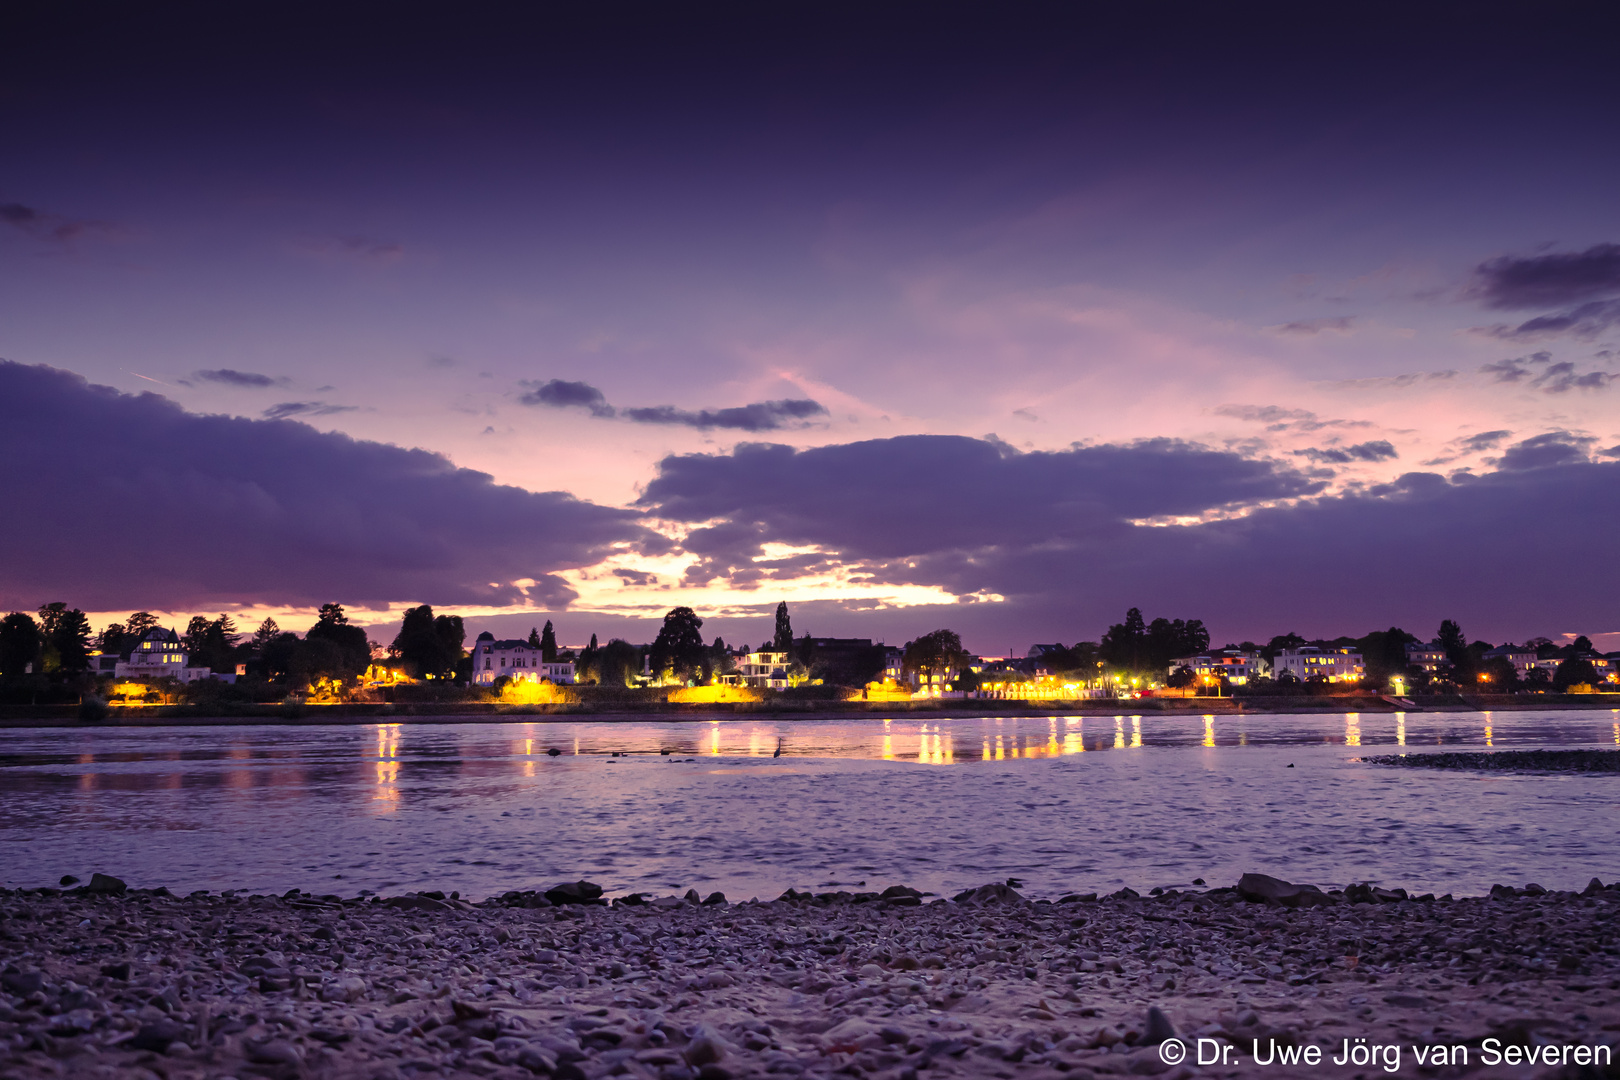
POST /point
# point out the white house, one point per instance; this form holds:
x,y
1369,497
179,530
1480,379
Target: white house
x,y
765,668
515,659
158,655
1234,665
1334,665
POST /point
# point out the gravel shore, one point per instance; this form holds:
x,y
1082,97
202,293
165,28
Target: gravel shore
x,y
143,984
1507,760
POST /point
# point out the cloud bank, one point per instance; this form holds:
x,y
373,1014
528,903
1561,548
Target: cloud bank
x,y
118,501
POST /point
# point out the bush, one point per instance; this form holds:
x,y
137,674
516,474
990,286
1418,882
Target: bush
x,y
93,708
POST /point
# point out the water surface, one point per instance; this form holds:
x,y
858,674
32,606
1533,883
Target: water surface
x,y
754,807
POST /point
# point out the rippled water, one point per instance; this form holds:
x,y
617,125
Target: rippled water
x,y
1062,804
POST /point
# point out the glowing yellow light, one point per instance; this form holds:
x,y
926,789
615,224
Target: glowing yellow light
x,y
525,692
708,695
1209,730
1400,729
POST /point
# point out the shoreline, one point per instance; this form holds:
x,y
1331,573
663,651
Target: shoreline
x,y
988,984
19,716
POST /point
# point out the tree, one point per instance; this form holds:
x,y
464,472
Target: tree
x,y
20,644
783,642
1384,653
430,644
194,638
67,637
1180,678
1582,644
1500,674
266,633
1277,644
1125,644
939,653
548,644
139,623
111,640
1134,646
534,637
678,650
1575,671
216,648
617,663
353,651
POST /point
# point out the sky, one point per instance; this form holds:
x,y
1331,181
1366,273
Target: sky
x,y
996,317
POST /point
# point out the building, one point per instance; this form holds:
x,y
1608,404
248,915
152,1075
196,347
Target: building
x,y
515,659
1521,657
159,654
1429,657
1332,665
763,668
1234,665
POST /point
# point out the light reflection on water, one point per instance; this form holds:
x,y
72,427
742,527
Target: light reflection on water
x,y
485,807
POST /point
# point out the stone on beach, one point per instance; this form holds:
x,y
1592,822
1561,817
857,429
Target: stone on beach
x,y
1262,887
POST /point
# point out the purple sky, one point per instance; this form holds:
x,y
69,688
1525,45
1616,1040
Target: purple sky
x,y
1003,318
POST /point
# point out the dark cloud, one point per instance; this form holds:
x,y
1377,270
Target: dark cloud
x,y
760,416
1485,440
636,577
886,499
1559,378
1312,327
119,501
1546,451
289,409
1517,282
1380,450
248,379
1054,534
561,395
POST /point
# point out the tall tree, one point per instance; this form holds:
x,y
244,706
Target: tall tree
x,y
266,633
430,644
678,650
548,644
20,644
1575,671
617,663
67,637
139,623
353,651
783,642
1125,644
938,653
534,637
195,638
1452,640
111,640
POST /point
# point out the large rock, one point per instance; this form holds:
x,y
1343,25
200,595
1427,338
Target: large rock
x,y
1262,887
994,893
105,885
575,892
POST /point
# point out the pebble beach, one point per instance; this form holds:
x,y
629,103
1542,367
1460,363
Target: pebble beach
x,y
105,981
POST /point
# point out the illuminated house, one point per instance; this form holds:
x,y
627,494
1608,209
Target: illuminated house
x,y
1234,665
764,668
515,659
158,655
1430,657
1522,658
1333,665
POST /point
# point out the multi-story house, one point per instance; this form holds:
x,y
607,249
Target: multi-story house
x,y
515,659
159,654
1234,665
1333,665
1427,656
1521,657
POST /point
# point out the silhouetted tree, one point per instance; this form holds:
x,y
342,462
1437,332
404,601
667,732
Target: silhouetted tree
x,y
534,637
139,623
935,654
1134,646
266,633
431,645
111,640
1501,674
20,644
678,649
1279,643
1575,671
783,641
617,663
353,654
548,643
67,637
